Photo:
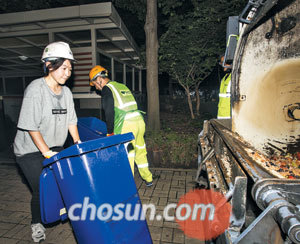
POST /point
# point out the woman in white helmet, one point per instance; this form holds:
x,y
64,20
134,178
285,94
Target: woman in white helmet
x,y
47,115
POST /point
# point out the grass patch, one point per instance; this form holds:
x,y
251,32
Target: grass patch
x,y
175,145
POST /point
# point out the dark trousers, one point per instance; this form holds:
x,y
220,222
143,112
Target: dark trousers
x,y
31,165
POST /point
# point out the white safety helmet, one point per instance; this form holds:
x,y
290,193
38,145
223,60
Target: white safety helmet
x,y
57,50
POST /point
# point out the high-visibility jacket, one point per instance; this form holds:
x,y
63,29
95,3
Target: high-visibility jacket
x,y
125,106
129,119
224,98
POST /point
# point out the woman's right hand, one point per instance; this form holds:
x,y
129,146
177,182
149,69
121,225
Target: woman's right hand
x,y
49,154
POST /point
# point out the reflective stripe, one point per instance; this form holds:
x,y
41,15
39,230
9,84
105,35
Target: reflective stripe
x,y
224,95
228,87
132,115
116,93
140,166
219,117
127,104
141,147
131,155
121,104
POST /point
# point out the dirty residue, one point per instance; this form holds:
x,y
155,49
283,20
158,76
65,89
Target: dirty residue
x,y
287,166
262,117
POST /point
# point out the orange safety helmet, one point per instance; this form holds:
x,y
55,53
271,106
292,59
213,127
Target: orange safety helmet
x,y
97,71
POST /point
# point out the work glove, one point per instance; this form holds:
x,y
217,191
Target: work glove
x,y
49,154
110,134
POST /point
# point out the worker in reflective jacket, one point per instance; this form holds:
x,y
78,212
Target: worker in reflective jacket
x,y
122,116
224,94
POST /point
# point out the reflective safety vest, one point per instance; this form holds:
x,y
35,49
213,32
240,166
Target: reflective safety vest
x,y
224,98
125,105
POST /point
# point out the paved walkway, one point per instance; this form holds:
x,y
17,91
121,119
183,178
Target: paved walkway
x,y
15,214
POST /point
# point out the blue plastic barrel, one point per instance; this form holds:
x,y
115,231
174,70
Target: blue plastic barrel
x,y
91,128
52,206
96,174
53,209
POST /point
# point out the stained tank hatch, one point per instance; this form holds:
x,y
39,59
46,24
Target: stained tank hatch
x,y
266,84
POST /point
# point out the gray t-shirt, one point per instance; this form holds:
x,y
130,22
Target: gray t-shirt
x,y
44,111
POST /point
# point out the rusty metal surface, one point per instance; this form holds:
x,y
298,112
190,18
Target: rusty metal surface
x,y
239,148
219,177
281,167
222,168
234,155
214,174
224,175
230,164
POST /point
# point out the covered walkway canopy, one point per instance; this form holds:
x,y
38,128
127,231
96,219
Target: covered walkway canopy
x,y
95,32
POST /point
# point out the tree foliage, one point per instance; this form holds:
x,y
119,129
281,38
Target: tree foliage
x,y
136,7
194,40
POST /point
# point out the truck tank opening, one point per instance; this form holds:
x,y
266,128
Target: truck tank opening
x,y
266,77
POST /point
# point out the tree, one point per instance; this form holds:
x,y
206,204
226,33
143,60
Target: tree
x,y
152,65
150,27
190,47
188,53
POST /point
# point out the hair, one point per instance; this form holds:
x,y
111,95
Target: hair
x,y
54,65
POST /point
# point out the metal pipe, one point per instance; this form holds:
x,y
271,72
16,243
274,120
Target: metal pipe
x,y
283,212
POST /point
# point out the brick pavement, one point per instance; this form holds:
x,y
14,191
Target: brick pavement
x,y
15,207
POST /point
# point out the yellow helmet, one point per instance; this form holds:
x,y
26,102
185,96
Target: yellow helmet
x,y
97,71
